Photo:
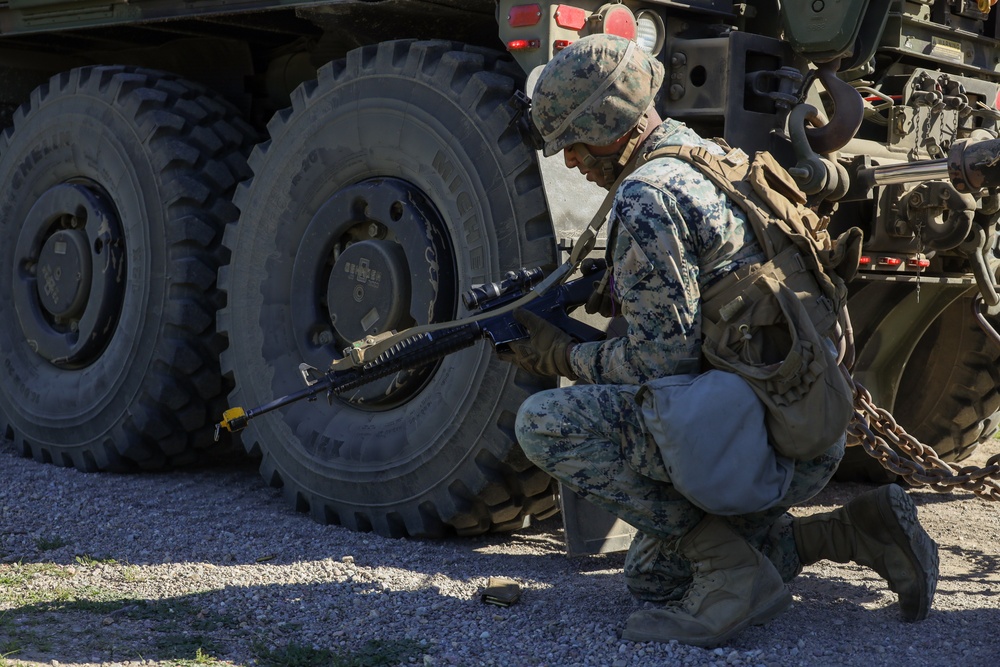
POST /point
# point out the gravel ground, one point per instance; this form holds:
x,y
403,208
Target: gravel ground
x,y
210,567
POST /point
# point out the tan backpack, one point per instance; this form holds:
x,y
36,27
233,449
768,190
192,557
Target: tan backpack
x,y
777,324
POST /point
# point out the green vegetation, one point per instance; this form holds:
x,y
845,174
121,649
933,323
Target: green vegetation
x,y
19,574
19,587
4,662
43,605
87,560
50,543
14,639
292,655
201,658
36,597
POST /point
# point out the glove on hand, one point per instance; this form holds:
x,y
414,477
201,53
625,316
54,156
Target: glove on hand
x,y
602,299
546,352
601,303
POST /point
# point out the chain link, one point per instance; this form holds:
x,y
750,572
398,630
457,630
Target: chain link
x,y
923,467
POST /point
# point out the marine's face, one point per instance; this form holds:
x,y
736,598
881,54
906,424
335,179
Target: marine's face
x,y
588,159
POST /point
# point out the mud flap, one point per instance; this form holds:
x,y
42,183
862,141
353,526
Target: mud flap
x,y
589,529
571,199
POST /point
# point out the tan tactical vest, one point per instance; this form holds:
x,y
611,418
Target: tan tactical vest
x,y
777,324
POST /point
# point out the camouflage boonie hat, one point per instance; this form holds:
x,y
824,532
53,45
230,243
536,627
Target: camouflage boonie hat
x,y
593,92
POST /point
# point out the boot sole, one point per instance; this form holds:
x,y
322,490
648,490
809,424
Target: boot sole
x,y
900,516
778,603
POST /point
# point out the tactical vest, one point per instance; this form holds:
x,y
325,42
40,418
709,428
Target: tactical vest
x,y
779,324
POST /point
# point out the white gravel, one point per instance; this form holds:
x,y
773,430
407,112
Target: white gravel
x,y
212,567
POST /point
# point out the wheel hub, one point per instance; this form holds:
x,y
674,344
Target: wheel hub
x,y
69,274
374,258
64,274
369,289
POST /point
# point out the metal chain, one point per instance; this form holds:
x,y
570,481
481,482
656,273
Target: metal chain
x,y
923,467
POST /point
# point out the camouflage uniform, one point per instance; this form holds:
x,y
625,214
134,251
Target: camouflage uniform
x,y
673,234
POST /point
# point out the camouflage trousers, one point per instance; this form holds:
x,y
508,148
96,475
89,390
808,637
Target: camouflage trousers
x,y
592,439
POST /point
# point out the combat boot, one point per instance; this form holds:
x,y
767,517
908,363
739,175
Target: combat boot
x,y
878,529
733,585
654,573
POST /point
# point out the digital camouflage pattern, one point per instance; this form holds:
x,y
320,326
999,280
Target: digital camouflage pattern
x,y
569,103
673,234
591,438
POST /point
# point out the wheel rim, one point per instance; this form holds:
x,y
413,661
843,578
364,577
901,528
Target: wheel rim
x,y
69,274
375,257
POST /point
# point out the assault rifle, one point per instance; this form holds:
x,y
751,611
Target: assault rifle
x,y
380,356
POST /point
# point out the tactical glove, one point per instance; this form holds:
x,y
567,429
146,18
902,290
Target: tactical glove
x,y
602,299
546,352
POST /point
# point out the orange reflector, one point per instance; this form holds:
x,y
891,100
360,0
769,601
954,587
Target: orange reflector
x,y
619,21
522,44
889,261
917,263
560,44
572,18
522,15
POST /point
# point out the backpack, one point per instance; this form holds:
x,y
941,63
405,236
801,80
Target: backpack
x,y
779,325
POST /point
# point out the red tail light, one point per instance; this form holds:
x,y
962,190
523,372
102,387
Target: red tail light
x,y
571,18
617,20
523,15
522,44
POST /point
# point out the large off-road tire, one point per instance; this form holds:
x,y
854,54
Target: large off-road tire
x,y
948,395
950,391
393,183
116,188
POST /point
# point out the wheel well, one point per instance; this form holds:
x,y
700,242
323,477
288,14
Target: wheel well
x,y
253,59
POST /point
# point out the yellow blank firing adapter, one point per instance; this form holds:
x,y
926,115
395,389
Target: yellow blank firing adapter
x,y
233,419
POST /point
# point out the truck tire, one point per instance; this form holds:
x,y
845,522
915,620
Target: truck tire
x,y
949,393
952,385
394,182
117,185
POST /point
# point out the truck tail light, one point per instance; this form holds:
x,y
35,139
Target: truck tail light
x,y
615,20
522,44
571,18
524,15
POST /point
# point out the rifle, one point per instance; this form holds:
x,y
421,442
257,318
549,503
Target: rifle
x,y
379,356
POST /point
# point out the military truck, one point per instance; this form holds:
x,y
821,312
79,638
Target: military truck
x,y
200,195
